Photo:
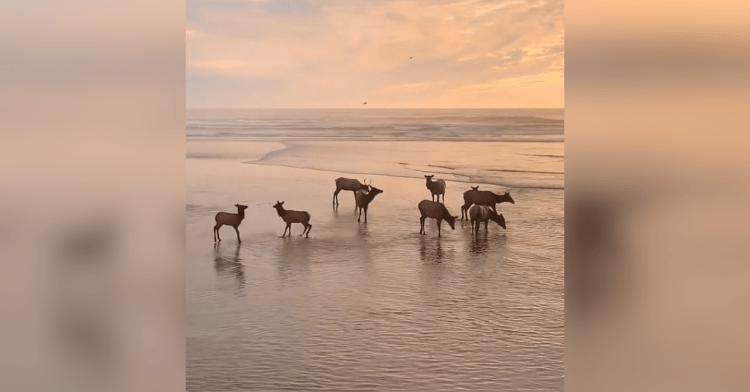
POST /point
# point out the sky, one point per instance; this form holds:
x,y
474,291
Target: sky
x,y
390,54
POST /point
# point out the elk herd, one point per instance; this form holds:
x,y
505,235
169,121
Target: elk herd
x,y
479,207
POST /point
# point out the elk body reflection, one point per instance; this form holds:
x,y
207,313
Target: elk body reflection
x,y
228,263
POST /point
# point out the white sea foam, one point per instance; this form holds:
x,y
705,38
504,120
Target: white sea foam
x,y
510,148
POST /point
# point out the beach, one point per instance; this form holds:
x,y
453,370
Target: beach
x,y
373,306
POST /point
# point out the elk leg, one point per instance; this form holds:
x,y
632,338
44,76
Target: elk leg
x,y
216,230
360,215
309,227
365,214
465,209
439,221
336,196
486,223
421,227
238,233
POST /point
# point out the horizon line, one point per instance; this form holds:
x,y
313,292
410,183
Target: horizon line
x,y
358,108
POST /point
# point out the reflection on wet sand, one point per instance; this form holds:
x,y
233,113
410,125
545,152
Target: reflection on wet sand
x,y
492,243
370,307
431,252
229,264
293,258
478,245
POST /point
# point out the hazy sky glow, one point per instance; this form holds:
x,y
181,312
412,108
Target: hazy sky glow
x,y
338,54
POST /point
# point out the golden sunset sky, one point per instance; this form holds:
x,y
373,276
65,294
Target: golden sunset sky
x,y
339,54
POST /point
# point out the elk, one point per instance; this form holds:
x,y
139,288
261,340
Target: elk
x,y
229,219
290,217
484,214
436,210
364,199
348,184
483,198
436,187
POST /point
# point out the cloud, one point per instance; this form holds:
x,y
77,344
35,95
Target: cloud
x,y
338,54
220,64
396,17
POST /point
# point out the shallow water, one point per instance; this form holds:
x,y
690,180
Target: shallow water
x,y
372,306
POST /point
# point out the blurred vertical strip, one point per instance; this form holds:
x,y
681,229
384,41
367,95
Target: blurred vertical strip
x,y
92,107
657,188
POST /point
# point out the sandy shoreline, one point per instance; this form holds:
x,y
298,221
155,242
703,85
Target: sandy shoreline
x,y
369,306
499,165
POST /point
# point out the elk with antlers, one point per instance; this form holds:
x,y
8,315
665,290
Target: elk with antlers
x,y
364,199
348,184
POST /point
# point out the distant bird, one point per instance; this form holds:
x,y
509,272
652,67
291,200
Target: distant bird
x,y
364,103
409,57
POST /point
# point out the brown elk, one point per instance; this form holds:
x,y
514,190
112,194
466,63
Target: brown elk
x,y
348,184
483,198
435,210
290,217
484,214
229,219
364,199
436,187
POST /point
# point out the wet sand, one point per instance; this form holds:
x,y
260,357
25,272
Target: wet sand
x,y
371,306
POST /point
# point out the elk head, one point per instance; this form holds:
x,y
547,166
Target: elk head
x,y
452,221
367,186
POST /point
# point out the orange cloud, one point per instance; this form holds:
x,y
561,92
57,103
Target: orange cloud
x,y
390,53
